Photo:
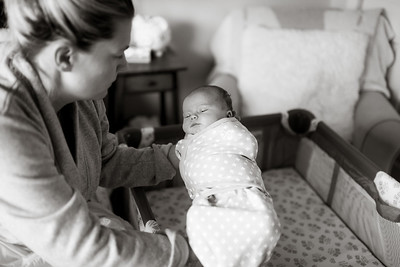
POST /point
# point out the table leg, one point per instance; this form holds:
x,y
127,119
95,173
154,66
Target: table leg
x,y
163,109
175,98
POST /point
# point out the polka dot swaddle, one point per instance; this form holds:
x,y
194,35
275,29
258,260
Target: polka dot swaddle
x,y
232,221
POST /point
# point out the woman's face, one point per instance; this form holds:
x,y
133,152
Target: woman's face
x,y
95,70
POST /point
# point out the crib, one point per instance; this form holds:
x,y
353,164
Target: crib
x,y
322,188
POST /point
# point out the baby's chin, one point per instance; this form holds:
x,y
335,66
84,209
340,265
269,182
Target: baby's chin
x,y
189,136
194,130
192,133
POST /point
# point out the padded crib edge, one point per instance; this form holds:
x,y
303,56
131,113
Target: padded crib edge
x,y
277,147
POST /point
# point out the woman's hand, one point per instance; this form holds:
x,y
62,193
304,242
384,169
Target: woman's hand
x,y
173,158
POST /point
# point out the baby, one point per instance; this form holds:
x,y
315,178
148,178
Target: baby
x,y
232,221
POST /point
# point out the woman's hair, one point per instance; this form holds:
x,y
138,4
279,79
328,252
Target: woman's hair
x,y
223,95
82,22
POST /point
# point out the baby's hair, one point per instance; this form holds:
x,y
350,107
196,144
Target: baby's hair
x,y
222,93
82,22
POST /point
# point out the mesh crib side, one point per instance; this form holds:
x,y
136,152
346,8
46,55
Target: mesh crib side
x,y
343,177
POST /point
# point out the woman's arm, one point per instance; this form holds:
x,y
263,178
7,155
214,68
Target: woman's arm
x,y
131,167
41,210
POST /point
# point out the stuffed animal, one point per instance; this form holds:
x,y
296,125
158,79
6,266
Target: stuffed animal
x,y
150,32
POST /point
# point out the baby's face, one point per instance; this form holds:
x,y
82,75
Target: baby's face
x,y
200,109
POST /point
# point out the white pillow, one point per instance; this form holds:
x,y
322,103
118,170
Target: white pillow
x,y
283,69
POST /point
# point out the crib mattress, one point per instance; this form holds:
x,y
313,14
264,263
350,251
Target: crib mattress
x,y
312,234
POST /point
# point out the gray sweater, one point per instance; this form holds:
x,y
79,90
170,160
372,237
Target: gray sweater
x,y
44,188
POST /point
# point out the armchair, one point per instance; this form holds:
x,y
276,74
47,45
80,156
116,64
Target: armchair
x,y
356,95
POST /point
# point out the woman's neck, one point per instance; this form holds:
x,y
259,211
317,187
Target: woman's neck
x,y
50,78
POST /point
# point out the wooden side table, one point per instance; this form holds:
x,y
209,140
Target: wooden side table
x,y
158,76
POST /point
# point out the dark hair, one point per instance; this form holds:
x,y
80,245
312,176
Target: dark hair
x,y
222,93
3,17
82,22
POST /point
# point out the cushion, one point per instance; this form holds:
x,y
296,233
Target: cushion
x,y
225,47
316,70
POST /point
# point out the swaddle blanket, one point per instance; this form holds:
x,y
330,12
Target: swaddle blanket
x,y
232,221
221,156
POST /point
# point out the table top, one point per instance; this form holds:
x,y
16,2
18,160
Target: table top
x,y
169,61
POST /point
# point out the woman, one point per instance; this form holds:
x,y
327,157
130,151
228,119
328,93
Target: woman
x,y
55,146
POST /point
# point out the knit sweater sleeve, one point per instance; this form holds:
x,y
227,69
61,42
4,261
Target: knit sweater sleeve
x,y
131,167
